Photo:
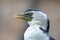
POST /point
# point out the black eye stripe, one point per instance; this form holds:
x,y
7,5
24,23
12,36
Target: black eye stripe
x,y
29,14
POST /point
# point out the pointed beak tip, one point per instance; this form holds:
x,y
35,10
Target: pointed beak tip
x,y
16,16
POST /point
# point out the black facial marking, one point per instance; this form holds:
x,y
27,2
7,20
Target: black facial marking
x,y
32,9
29,14
48,25
42,29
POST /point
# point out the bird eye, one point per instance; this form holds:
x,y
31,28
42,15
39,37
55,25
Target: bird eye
x,y
29,14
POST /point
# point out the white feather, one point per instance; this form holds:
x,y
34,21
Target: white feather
x,y
33,32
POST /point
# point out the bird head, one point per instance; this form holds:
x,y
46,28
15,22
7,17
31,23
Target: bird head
x,y
35,17
32,14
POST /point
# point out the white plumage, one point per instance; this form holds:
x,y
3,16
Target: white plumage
x,y
34,32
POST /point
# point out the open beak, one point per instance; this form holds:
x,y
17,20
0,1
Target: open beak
x,y
24,17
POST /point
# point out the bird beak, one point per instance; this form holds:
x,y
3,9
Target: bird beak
x,y
23,16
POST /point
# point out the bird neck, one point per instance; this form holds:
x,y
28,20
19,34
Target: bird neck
x,y
39,23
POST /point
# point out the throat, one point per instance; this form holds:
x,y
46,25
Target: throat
x,y
38,23
32,23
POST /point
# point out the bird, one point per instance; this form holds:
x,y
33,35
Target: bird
x,y
39,25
